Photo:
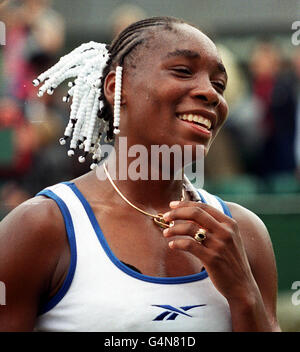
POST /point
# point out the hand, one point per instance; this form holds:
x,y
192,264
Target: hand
x,y
222,252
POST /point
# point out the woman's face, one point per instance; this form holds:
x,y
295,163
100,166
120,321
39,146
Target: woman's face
x,y
178,76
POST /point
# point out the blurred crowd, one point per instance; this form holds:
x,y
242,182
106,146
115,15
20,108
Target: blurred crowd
x,y
29,126
261,138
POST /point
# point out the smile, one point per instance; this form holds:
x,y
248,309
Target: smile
x,y
196,119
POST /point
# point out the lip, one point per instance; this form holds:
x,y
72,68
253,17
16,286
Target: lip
x,y
199,129
205,113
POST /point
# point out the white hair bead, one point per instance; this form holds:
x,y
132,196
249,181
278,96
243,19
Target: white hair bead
x,y
71,152
85,65
62,141
81,159
117,99
36,82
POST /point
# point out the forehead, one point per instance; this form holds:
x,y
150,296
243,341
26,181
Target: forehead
x,y
182,38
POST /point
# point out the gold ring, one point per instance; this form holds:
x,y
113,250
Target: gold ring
x,y
200,235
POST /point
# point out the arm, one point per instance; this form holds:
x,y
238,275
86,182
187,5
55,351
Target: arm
x,y
32,247
230,255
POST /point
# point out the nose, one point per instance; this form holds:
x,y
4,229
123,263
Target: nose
x,y
205,92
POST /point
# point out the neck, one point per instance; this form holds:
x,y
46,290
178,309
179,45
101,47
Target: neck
x,y
147,193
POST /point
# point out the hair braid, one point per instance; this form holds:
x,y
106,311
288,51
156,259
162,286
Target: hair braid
x,y
90,64
124,44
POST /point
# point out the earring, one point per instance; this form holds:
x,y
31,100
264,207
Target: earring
x,y
117,99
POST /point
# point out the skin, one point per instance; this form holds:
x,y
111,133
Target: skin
x,y
237,253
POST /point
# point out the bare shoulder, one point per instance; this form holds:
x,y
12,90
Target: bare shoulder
x,y
259,249
32,242
254,233
251,227
38,219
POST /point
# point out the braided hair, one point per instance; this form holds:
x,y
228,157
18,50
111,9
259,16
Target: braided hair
x,y
91,115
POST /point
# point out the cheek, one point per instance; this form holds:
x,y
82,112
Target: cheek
x,y
158,102
222,115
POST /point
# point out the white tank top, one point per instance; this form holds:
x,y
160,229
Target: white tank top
x,y
100,293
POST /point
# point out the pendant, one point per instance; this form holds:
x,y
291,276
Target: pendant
x,y
159,220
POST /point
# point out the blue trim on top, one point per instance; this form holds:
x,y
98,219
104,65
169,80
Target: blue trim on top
x,y
201,197
72,242
157,280
224,206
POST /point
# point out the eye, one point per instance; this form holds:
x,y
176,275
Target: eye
x,y
182,71
220,86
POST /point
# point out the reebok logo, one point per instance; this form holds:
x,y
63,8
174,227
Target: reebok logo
x,y
171,313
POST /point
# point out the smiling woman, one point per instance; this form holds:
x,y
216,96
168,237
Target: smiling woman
x,y
104,254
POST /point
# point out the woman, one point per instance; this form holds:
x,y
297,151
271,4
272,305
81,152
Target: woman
x,y
202,266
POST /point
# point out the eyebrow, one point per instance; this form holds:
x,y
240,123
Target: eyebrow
x,y
183,52
194,55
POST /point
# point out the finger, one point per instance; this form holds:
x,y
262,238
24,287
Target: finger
x,y
187,230
214,212
191,246
183,229
195,214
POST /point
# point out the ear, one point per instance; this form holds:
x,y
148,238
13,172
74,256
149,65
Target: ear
x,y
109,88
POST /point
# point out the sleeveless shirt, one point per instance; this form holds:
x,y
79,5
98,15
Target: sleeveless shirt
x,y
100,293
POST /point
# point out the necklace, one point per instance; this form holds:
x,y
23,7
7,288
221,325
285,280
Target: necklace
x,y
158,219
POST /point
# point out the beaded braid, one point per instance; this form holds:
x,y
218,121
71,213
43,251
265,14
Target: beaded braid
x,y
86,64
89,64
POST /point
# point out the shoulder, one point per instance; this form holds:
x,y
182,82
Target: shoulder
x,y
37,216
35,229
254,233
259,250
249,223
257,243
32,243
34,232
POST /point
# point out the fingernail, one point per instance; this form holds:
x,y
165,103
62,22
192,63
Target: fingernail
x,y
166,215
171,244
174,203
165,232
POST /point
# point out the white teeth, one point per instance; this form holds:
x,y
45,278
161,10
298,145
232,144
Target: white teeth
x,y
196,118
